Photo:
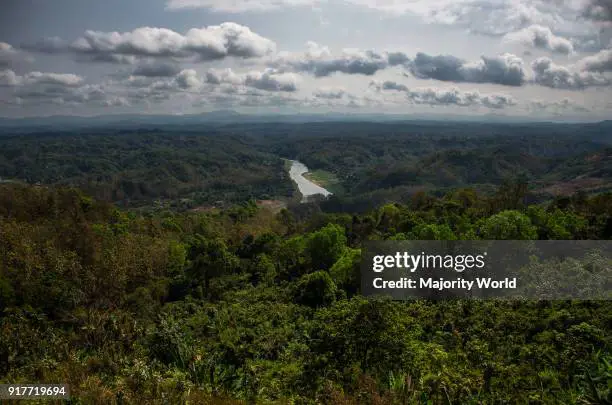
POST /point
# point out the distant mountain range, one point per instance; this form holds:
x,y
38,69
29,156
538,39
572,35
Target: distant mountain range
x,y
229,116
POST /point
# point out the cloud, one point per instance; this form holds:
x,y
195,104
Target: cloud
x,y
452,96
351,62
54,88
497,100
506,69
204,44
389,85
107,58
598,10
9,78
593,42
91,95
556,107
600,62
320,62
10,57
160,69
237,6
537,36
549,74
271,81
330,93
335,97
189,82
160,87
268,80
7,55
500,17
490,17
188,79
153,93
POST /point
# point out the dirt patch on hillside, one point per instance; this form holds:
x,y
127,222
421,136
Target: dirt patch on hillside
x,y
570,187
273,205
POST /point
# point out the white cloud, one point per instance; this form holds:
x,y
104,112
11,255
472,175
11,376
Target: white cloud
x,y
493,17
556,107
10,57
537,36
600,62
43,88
549,74
331,93
9,78
505,69
234,6
7,54
205,44
450,96
188,79
320,62
599,10
269,80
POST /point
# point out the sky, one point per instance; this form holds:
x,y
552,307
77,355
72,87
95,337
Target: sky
x,y
540,59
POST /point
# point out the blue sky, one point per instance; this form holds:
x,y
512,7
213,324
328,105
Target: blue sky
x,y
527,58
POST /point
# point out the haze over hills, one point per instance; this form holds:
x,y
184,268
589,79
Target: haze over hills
x,y
231,116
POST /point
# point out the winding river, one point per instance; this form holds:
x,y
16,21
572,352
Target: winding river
x,y
307,188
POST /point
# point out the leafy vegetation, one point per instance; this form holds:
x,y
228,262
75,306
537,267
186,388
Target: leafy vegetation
x,y
136,169
242,305
138,267
364,164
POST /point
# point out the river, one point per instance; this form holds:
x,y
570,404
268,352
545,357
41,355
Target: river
x,y
307,188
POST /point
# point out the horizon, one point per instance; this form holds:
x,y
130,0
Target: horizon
x,y
326,116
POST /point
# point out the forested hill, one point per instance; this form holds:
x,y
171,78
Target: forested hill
x,y
244,306
369,163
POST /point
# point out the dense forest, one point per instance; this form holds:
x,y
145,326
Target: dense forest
x,y
246,306
124,167
111,281
372,163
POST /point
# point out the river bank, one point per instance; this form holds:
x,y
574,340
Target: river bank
x,y
306,187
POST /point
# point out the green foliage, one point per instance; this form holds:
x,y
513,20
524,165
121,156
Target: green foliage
x,y
367,165
508,225
166,307
137,167
433,232
315,289
557,224
345,272
324,247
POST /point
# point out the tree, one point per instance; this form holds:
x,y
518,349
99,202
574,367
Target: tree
x,y
557,224
345,272
325,246
508,225
210,258
388,217
433,232
315,290
511,194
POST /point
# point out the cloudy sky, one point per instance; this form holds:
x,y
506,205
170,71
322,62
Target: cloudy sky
x,y
525,58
